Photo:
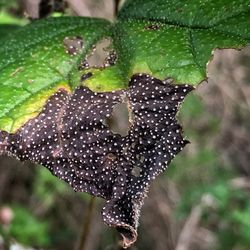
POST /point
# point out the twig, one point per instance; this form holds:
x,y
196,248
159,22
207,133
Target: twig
x,y
87,224
240,183
4,232
117,2
189,228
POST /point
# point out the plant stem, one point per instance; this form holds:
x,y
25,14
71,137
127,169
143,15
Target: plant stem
x,y
87,224
4,232
116,7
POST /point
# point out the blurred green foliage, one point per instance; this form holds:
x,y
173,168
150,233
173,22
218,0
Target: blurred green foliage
x,y
202,173
47,186
28,230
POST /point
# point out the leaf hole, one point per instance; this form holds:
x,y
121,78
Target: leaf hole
x,y
73,45
136,171
111,156
101,56
119,121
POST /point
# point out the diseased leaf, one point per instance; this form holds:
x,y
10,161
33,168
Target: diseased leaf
x,y
174,39
72,139
34,65
33,60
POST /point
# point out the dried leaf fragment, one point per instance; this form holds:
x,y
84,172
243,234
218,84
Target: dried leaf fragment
x,y
71,139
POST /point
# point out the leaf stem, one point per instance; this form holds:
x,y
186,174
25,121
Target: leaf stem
x,y
87,224
4,232
116,7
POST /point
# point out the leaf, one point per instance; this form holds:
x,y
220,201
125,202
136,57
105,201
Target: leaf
x,y
34,65
6,18
6,29
72,139
180,37
157,48
196,14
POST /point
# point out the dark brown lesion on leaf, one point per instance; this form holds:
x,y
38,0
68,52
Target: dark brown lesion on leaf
x,y
86,76
72,138
111,58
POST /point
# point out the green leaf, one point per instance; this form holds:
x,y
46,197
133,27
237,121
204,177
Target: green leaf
x,y
27,229
180,37
162,38
6,29
191,13
6,18
34,65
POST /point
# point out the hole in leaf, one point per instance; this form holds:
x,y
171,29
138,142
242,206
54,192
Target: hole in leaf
x,y
102,55
136,171
119,121
73,45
